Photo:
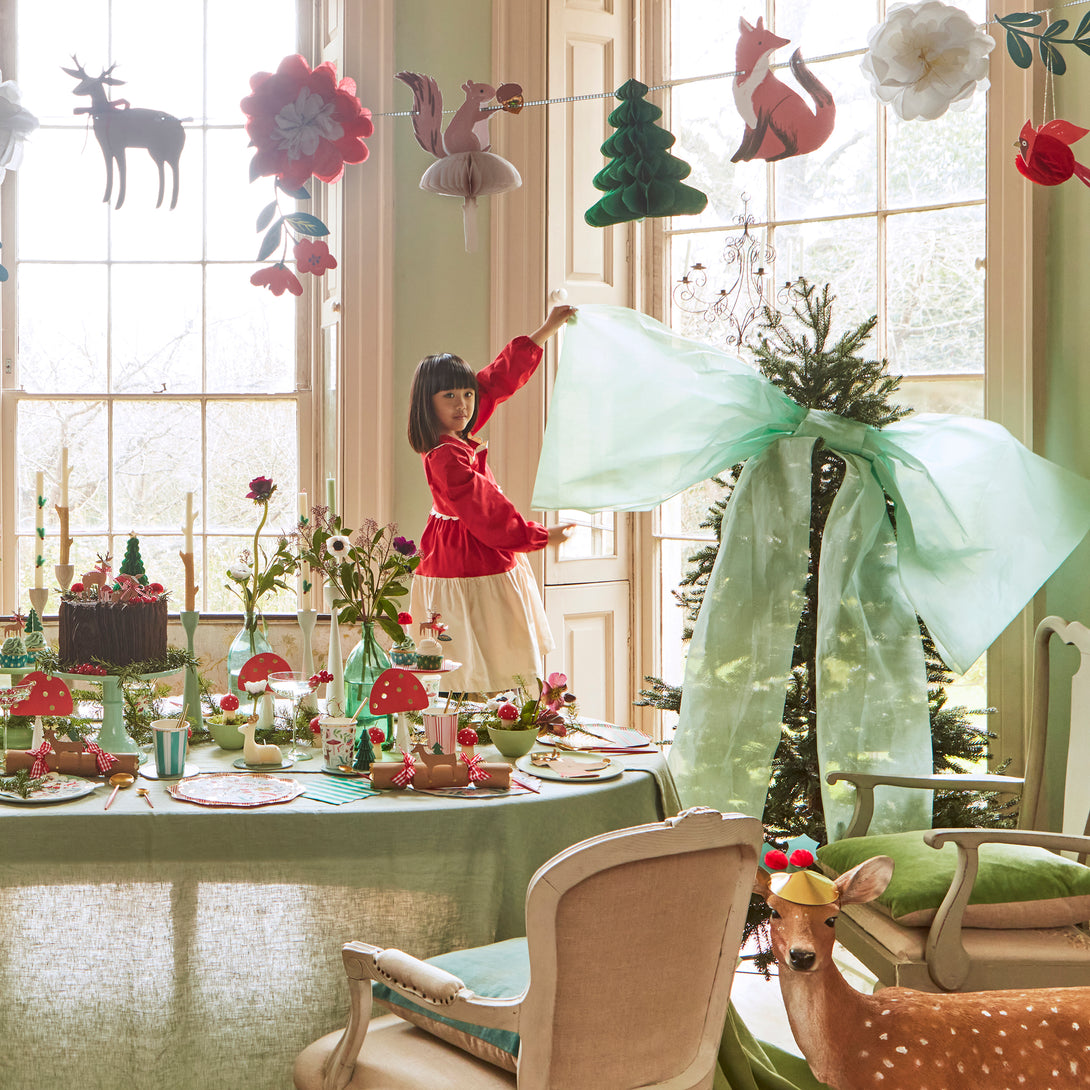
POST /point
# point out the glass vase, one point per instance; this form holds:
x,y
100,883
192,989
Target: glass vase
x,y
362,667
252,640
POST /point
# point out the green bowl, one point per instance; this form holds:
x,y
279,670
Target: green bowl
x,y
225,735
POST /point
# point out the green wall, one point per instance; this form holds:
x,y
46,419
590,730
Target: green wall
x,y
1063,419
442,297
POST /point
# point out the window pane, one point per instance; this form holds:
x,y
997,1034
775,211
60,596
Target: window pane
x,y
943,394
246,440
141,232
69,355
43,428
840,176
156,328
940,160
250,337
156,461
936,293
594,536
682,515
235,202
71,227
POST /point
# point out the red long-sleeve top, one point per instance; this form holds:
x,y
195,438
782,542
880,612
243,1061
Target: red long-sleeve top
x,y
482,530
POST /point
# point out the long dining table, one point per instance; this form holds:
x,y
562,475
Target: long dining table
x,y
183,947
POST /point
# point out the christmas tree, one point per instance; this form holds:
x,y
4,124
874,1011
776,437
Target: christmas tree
x,y
821,373
643,178
133,564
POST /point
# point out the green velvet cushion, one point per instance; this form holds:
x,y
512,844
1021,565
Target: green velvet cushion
x,y
1015,887
499,971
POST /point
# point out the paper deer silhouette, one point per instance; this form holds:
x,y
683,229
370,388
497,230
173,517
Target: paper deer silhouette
x,y
118,127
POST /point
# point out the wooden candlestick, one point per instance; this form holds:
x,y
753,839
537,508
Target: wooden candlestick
x,y
66,541
191,587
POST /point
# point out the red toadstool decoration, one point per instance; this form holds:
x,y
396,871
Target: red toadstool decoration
x,y
50,696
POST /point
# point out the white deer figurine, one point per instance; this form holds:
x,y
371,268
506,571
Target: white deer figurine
x,y
254,752
118,127
901,1039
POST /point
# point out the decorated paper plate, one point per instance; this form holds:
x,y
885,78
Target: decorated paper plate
x,y
570,767
227,789
57,788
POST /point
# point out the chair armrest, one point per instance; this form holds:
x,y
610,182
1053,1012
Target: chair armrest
x,y
429,987
865,783
947,961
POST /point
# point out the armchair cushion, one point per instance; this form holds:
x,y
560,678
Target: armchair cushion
x,y
1016,886
499,971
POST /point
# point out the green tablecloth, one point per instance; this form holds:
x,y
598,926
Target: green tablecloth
x,y
185,947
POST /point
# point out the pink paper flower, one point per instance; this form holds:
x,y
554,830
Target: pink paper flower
x,y
304,122
277,278
313,256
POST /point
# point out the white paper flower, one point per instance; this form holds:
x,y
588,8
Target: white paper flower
x,y
338,546
15,124
925,58
239,573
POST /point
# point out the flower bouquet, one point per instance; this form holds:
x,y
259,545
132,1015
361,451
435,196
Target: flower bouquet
x,y
366,573
513,720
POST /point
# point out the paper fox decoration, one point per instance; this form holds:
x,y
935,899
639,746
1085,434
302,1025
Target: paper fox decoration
x,y
779,123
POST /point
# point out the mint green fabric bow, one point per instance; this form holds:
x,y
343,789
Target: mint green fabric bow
x,y
639,413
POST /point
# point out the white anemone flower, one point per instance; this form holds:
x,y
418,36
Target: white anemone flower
x,y
925,58
16,123
338,547
239,573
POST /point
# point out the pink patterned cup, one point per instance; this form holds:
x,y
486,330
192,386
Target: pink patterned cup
x,y
442,730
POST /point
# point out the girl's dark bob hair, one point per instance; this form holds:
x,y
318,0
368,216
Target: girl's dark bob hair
x,y
434,374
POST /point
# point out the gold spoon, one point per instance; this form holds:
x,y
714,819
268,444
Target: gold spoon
x,y
119,780
348,770
143,793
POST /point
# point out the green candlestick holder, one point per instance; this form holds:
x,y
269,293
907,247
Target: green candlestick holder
x,y
192,697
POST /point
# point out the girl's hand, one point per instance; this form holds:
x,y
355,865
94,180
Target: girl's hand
x,y
557,317
559,534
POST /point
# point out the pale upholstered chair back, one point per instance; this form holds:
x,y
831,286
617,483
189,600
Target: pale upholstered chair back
x,y
633,943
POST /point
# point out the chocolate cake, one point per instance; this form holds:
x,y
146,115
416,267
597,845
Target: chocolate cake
x,y
118,633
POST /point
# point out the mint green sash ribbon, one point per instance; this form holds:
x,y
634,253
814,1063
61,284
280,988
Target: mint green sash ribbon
x,y
639,413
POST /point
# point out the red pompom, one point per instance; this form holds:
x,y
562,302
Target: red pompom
x,y
76,588
800,857
377,735
775,860
155,588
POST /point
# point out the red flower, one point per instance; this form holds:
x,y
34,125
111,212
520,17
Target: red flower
x,y
304,122
277,278
322,677
775,860
312,256
467,736
507,711
377,735
800,857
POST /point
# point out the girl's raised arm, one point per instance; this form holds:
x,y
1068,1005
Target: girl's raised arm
x,y
557,317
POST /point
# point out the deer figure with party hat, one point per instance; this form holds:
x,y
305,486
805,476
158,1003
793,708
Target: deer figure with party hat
x,y
901,1039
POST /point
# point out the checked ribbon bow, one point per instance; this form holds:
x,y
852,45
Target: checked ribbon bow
x,y
638,414
103,761
476,773
39,767
407,773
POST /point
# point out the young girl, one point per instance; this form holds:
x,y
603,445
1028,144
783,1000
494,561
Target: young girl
x,y
474,570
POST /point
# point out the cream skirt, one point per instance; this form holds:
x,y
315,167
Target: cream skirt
x,y
496,623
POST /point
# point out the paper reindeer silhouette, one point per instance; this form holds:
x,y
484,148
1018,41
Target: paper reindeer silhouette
x,y
118,127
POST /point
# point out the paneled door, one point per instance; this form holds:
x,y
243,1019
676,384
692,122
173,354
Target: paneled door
x,y
588,580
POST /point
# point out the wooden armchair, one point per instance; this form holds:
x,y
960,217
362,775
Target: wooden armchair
x,y
1033,935
632,939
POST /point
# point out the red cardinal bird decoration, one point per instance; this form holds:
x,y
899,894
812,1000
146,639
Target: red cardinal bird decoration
x,y
1044,156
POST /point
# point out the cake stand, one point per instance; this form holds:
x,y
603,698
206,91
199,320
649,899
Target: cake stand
x,y
111,735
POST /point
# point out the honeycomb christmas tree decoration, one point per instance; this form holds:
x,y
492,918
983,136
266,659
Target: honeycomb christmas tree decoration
x,y
643,178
